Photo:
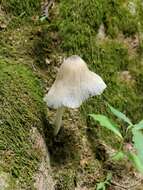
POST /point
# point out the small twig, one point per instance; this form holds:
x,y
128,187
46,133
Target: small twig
x,y
33,67
126,187
47,6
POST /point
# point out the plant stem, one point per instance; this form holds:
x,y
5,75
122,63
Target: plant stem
x,y
58,120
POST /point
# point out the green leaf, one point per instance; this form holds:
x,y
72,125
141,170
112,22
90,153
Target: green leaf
x,y
43,18
136,161
138,142
118,156
105,122
101,186
109,177
139,126
130,127
120,115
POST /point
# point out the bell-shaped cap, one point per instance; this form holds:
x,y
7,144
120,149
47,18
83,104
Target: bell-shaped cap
x,y
74,84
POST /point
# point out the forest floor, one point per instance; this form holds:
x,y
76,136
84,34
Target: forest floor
x,y
32,49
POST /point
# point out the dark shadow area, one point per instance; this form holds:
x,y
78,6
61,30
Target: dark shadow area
x,y
95,143
41,47
100,151
62,148
46,43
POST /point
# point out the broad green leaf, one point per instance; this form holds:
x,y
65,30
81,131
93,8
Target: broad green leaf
x,y
118,156
105,122
138,142
139,126
120,115
136,161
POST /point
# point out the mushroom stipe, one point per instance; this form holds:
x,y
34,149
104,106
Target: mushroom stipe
x,y
74,84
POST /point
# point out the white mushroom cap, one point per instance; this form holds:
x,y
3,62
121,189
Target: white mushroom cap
x,y
74,84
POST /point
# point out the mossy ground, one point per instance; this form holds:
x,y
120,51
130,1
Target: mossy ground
x,y
21,8
21,104
75,31
76,158
109,57
21,109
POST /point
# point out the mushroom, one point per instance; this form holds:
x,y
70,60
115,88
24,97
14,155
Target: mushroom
x,y
74,84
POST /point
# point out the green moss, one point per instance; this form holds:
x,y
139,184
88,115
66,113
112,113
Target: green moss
x,y
140,27
116,16
66,180
76,26
42,46
20,8
20,109
77,29
72,31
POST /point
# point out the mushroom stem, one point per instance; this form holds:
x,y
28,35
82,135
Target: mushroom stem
x,y
58,120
